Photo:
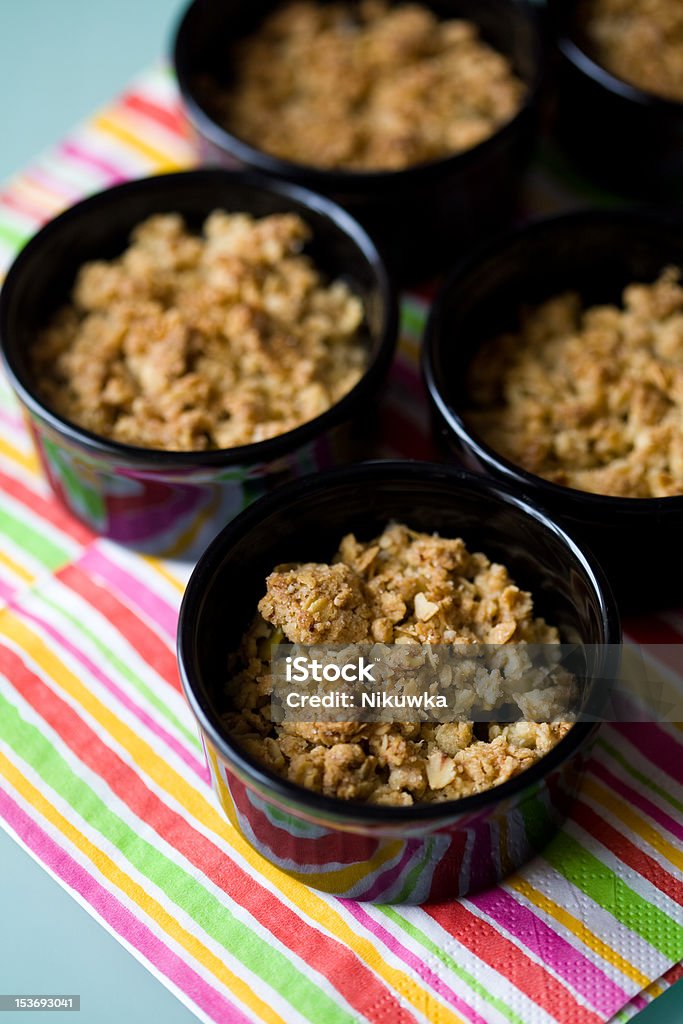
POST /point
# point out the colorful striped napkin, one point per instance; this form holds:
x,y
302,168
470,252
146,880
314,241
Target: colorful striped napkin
x,y
103,781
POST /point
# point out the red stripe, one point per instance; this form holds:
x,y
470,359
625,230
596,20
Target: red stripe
x,y
426,290
507,959
27,209
139,635
632,796
648,629
656,745
413,444
46,508
628,852
358,985
317,851
171,119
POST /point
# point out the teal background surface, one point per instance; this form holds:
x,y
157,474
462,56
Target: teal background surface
x,y
59,60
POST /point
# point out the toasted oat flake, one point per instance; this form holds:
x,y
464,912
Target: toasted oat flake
x,y
468,599
193,342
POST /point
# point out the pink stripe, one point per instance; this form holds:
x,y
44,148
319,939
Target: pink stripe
x,y
159,611
49,182
6,591
414,962
118,917
84,156
637,799
384,880
13,420
197,767
527,928
656,745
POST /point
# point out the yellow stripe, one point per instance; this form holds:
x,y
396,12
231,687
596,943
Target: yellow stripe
x,y
198,807
28,460
159,568
15,568
577,928
634,822
184,539
163,162
39,195
107,867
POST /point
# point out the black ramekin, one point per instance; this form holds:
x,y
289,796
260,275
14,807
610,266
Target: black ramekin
x,y
165,501
416,214
627,139
597,253
389,854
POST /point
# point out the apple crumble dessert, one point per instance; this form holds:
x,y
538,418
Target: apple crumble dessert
x,y
591,398
364,86
401,587
640,41
194,342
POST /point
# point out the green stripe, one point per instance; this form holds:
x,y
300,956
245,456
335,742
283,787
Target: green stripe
x,y
123,669
416,873
210,913
13,236
413,318
603,886
449,962
44,550
640,777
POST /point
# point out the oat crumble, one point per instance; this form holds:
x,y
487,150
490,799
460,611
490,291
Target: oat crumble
x,y
591,398
194,342
401,587
364,86
640,41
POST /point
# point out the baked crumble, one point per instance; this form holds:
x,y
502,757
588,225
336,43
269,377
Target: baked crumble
x,y
640,41
193,342
364,86
591,398
402,587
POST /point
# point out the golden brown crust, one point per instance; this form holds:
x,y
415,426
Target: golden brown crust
x,y
365,86
640,41
420,588
590,398
187,342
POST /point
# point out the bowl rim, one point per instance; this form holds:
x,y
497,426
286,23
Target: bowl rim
x,y
580,58
384,341
337,178
332,808
434,377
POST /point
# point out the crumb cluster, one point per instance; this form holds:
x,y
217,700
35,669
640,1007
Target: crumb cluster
x,y
403,587
193,342
364,86
591,398
640,41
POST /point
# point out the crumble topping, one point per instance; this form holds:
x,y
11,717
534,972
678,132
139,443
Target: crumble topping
x,y
194,342
401,587
640,41
590,398
364,86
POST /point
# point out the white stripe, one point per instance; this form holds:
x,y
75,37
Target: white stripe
x,y
141,959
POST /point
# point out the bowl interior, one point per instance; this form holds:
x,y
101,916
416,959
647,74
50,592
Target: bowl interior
x,y
306,523
100,227
209,30
596,255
